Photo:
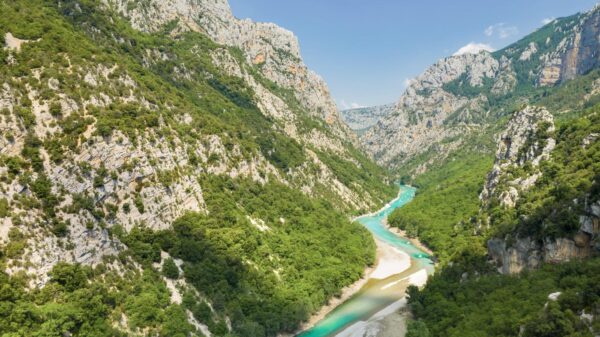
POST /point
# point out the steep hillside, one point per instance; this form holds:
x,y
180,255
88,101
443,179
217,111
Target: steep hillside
x,y
463,94
504,149
540,211
556,300
442,137
178,169
541,199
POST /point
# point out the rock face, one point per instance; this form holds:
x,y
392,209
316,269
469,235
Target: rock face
x,y
150,176
515,149
577,52
527,253
424,111
361,120
455,97
526,142
274,50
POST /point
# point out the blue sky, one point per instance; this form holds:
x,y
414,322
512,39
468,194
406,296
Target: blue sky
x,y
367,50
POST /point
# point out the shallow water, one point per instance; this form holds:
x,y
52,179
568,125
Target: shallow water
x,y
376,294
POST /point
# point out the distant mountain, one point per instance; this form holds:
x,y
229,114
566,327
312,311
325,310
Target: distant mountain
x,y
462,95
444,135
361,120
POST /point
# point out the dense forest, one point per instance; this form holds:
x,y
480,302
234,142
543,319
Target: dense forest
x,y
268,280
471,299
447,201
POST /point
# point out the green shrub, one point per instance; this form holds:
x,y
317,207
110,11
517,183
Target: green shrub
x,y
60,229
170,269
69,276
514,305
55,109
139,203
4,208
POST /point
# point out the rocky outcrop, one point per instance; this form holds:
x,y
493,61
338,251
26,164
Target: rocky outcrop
x,y
362,119
517,146
527,141
576,54
273,50
521,254
13,43
516,255
426,112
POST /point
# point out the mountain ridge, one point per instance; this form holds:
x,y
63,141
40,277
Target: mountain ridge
x,y
454,95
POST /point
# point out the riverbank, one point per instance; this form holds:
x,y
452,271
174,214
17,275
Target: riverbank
x,y
391,320
414,241
389,261
375,297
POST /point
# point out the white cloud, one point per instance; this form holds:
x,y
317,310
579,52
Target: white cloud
x,y
474,48
501,30
547,20
489,31
353,105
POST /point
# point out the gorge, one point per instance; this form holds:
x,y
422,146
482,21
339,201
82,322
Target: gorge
x,y
167,169
399,264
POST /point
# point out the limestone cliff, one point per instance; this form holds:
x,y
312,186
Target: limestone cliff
x,y
526,144
428,112
274,50
113,144
462,95
516,148
576,53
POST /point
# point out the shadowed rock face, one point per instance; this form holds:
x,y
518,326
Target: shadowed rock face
x,y
577,52
584,53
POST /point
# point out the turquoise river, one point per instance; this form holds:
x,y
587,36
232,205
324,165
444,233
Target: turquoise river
x,y
377,294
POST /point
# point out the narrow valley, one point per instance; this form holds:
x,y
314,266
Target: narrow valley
x,y
168,169
399,264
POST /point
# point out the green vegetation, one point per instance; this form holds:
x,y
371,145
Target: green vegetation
x,y
548,208
4,208
468,299
268,270
364,175
169,269
81,301
462,87
442,214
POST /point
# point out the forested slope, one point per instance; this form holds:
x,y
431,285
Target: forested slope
x,y
155,180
